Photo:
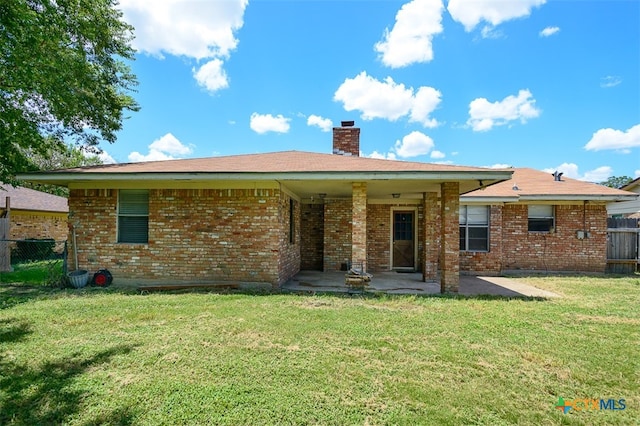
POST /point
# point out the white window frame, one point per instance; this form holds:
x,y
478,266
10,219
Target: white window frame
x,y
464,224
123,237
540,213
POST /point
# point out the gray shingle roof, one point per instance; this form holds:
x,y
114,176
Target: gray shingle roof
x,y
29,199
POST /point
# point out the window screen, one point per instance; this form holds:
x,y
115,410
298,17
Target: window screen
x,y
133,216
474,228
541,218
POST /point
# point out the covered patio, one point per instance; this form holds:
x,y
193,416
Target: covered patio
x,y
394,282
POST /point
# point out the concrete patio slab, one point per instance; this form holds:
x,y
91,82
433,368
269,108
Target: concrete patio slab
x,y
393,282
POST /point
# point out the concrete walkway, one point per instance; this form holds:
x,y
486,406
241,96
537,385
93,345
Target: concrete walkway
x,y
411,283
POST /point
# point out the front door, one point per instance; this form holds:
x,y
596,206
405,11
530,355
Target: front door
x,y
403,242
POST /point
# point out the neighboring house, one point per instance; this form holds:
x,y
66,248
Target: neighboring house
x,y
629,209
264,217
33,214
537,221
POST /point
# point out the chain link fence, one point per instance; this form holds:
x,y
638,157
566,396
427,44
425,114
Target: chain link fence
x,y
33,262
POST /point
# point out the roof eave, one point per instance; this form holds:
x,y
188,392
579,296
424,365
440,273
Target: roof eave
x,y
65,178
487,200
576,197
525,197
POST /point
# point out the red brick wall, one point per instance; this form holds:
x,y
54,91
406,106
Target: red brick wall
x,y
346,141
557,251
450,241
379,237
289,258
32,225
379,234
489,263
359,224
312,237
201,234
430,235
337,234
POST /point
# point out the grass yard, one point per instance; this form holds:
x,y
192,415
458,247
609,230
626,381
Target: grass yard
x,y
99,356
47,272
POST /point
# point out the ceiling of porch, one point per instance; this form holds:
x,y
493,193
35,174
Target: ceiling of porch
x,y
376,189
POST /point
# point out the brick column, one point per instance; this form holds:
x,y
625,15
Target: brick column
x,y
430,227
359,224
449,237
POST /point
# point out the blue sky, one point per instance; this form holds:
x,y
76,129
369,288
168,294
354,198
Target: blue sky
x,y
552,85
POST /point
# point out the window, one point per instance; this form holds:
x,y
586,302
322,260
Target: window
x,y
133,216
474,228
403,226
292,222
541,218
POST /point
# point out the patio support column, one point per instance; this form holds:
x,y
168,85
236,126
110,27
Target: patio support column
x,y
430,236
359,224
449,237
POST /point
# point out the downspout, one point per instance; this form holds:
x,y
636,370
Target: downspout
x,y
75,248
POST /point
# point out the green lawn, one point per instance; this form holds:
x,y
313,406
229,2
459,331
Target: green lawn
x,y
99,356
48,272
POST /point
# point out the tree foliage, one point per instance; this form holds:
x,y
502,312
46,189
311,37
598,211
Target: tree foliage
x,y
59,156
617,181
63,77
63,156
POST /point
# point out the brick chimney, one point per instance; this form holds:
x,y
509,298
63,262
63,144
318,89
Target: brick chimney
x,y
346,139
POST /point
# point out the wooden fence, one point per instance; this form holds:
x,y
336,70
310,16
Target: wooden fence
x,y
623,239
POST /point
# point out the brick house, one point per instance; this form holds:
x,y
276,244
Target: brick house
x,y
33,214
264,217
29,214
536,221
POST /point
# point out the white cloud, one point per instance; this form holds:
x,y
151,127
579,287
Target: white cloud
x,y
193,29
500,166
549,31
425,101
484,115
323,123
610,81
382,156
637,173
106,158
570,170
387,99
614,139
211,76
263,123
168,147
436,155
410,39
489,31
598,175
413,145
471,12
185,28
102,155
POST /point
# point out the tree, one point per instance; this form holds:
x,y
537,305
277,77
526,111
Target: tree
x,y
59,156
63,156
617,181
63,76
